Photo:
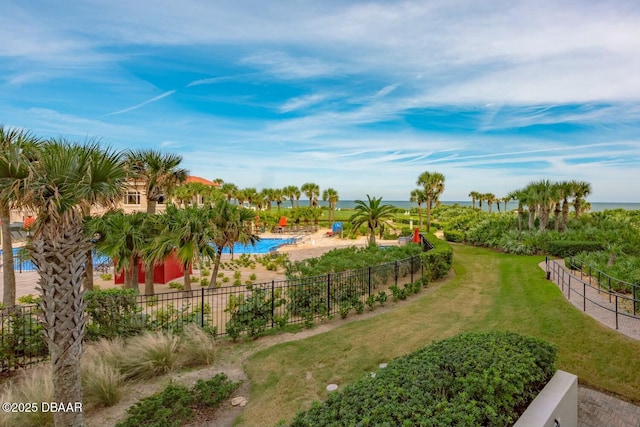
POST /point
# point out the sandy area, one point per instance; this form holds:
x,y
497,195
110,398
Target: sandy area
x,y
307,246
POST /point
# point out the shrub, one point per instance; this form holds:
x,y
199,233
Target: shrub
x,y
29,299
106,276
175,404
113,312
438,260
176,285
471,379
569,248
454,236
21,336
252,314
204,281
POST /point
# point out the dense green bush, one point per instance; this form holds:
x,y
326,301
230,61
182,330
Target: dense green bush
x,y
113,312
438,260
568,248
475,379
175,404
21,336
253,314
454,236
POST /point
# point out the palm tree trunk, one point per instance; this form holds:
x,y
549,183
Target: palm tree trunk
x,y
8,273
135,274
419,215
372,236
565,214
428,214
148,269
532,217
520,214
186,277
127,278
216,266
88,278
60,254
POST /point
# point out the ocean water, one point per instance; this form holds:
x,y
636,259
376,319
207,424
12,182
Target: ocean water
x,y
405,204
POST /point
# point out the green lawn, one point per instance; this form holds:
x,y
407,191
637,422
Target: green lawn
x,y
490,291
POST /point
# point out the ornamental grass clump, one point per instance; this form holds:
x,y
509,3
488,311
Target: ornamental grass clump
x,y
101,383
471,379
30,388
151,354
197,348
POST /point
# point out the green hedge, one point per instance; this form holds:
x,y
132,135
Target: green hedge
x,y
454,236
568,248
474,379
438,260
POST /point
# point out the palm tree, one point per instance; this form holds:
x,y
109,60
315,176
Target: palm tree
x,y
519,196
290,191
66,178
331,196
18,148
159,173
433,184
545,197
373,214
418,196
567,191
491,199
230,225
229,190
122,237
312,191
474,196
188,233
581,189
506,199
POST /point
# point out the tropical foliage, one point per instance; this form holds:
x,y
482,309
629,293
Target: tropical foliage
x,y
373,214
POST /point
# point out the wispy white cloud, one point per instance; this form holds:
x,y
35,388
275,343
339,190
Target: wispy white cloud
x,y
142,104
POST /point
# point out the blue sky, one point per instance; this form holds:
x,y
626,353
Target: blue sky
x,y
356,95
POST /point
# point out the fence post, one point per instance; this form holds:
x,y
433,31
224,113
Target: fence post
x,y
395,271
635,299
616,311
202,308
584,296
569,291
369,280
273,297
328,294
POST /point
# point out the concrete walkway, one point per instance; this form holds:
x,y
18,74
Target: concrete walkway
x,y
596,409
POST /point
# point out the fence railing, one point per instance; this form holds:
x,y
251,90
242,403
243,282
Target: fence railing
x,y
231,310
587,292
608,282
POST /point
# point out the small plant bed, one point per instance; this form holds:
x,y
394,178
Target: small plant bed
x,y
471,379
177,404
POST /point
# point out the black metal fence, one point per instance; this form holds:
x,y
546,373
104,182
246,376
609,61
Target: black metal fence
x,y
594,291
232,311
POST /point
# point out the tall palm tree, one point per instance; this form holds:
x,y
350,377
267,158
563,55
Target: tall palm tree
x,y
188,233
581,189
474,196
230,224
433,184
229,190
331,196
290,191
491,199
506,199
18,148
123,237
545,198
418,196
519,196
159,173
372,213
66,178
312,191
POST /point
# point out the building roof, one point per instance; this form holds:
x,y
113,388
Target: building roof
x,y
192,178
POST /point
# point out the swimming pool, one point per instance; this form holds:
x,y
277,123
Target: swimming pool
x,y
264,246
22,262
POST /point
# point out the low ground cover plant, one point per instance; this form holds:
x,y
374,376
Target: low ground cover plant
x,y
471,379
176,404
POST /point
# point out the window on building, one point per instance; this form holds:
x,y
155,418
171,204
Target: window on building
x,y
132,198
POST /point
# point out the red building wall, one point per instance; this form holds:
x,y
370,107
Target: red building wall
x,y
169,270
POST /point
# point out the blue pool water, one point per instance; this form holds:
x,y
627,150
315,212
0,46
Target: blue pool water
x,y
264,246
25,264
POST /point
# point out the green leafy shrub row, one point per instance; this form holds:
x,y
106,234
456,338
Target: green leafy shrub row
x,y
568,248
474,379
453,236
22,336
438,260
176,404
